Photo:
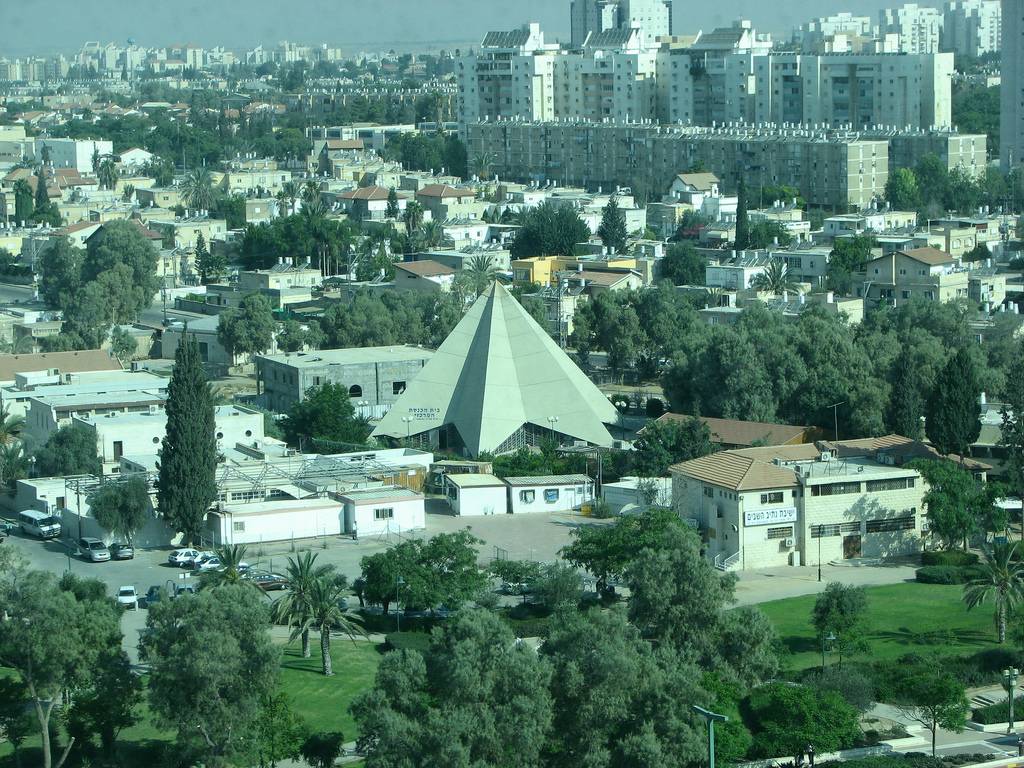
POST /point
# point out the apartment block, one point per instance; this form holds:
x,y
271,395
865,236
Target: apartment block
x,y
919,27
972,27
1012,98
510,76
920,273
587,17
838,170
812,35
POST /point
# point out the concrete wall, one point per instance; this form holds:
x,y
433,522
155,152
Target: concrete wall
x,y
549,498
408,515
479,501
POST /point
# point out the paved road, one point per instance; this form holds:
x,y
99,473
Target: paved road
x,y
777,583
15,294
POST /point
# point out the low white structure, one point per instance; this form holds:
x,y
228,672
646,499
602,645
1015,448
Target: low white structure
x,y
378,511
634,494
554,493
476,495
276,520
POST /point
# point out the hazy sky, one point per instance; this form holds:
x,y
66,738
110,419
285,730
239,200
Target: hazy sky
x,y
38,25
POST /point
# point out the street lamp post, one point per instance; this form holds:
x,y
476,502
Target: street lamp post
x,y
1010,679
399,581
711,718
408,424
821,532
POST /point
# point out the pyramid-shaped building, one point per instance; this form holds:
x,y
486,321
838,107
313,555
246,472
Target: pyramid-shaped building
x,y
498,383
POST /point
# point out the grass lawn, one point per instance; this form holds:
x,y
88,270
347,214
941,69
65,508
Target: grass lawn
x,y
901,619
323,701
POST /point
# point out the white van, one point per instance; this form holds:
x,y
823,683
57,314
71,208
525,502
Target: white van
x,y
41,524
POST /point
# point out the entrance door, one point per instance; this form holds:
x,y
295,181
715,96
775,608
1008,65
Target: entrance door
x,y
851,546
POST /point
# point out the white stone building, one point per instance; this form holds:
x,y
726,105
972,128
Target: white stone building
x,y
919,27
972,27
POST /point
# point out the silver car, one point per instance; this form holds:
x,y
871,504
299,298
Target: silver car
x,y
93,550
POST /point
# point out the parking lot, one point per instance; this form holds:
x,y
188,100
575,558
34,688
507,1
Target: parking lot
x,y
536,537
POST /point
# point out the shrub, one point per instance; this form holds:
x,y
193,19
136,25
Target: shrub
x,y
945,574
408,641
940,574
953,557
998,712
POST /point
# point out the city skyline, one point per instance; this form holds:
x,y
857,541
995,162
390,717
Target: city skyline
x,y
349,24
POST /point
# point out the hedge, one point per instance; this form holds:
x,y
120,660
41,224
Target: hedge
x,y
945,574
952,557
999,712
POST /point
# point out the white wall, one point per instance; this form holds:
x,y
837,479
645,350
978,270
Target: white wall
x,y
408,515
301,519
478,501
537,498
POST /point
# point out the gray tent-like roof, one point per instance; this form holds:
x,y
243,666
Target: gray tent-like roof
x,y
499,371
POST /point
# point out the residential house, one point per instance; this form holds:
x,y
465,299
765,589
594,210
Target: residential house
x,y
425,276
922,273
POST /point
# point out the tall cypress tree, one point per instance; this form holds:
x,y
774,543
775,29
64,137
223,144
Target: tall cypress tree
x,y
953,411
392,211
905,404
188,456
42,195
742,220
612,230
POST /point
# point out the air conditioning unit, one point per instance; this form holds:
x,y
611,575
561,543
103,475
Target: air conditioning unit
x,y
789,542
826,456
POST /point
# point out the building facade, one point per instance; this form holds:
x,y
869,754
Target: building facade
x,y
653,17
972,27
374,376
919,27
1011,112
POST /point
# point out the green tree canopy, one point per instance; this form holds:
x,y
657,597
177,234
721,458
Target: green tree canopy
x,y
325,413
549,230
928,693
248,328
227,681
188,454
475,694
612,230
121,507
839,614
71,450
786,718
952,415
668,441
683,265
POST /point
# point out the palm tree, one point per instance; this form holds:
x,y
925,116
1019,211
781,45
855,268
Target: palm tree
x,y
480,272
325,614
231,557
413,216
1001,578
13,465
290,191
197,190
108,174
432,234
776,279
293,609
310,192
10,426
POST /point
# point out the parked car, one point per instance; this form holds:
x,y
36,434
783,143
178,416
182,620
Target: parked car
x,y
269,582
201,558
214,564
128,597
154,595
185,589
93,550
182,558
119,551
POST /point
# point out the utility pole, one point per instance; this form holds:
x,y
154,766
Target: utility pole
x,y
835,414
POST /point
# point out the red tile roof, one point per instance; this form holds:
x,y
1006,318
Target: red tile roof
x,y
444,190
366,193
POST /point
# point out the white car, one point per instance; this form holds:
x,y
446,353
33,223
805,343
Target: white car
x,y
128,597
183,558
214,564
201,558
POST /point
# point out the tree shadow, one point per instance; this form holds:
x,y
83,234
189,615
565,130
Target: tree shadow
x,y
935,637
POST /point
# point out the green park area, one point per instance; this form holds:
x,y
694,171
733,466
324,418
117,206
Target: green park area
x,y
899,619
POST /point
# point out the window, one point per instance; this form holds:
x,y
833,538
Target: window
x,y
894,484
824,531
893,524
550,495
775,497
386,513
527,497
118,449
355,391
238,527
783,532
397,387
834,489
709,492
